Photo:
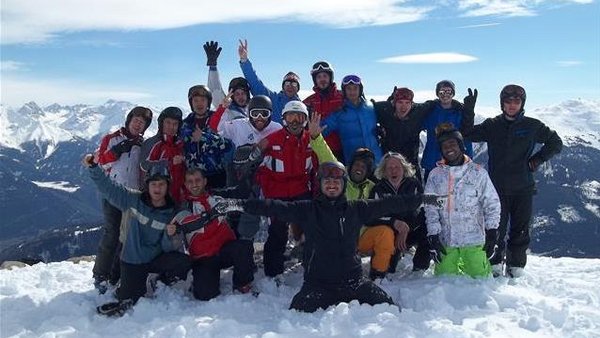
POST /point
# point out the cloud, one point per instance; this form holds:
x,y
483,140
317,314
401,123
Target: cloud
x,y
569,63
36,21
481,25
11,66
445,57
510,8
17,91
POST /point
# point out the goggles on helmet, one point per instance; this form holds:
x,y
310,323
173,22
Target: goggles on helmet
x,y
351,79
320,67
332,172
255,113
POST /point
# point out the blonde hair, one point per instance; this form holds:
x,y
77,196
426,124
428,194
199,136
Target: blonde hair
x,y
409,169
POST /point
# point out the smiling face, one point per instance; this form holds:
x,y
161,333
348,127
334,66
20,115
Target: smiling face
x,y
358,171
451,150
322,80
393,171
332,187
295,122
352,92
240,97
200,105
195,183
290,88
170,126
445,94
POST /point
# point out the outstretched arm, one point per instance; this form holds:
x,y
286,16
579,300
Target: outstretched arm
x,y
257,87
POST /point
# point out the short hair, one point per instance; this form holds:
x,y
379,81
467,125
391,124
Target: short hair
x,y
409,169
192,171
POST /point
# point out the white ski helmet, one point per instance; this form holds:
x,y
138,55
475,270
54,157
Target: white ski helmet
x,y
297,107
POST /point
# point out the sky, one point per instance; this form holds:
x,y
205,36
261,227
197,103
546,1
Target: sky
x,y
69,51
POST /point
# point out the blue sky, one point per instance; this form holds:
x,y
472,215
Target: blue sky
x,y
69,51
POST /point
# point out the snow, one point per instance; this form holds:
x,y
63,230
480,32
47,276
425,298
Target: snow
x,y
568,214
57,185
557,297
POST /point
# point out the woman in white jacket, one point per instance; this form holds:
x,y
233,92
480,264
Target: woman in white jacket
x,y
463,232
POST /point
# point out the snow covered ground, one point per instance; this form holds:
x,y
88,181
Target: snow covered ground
x,y
556,298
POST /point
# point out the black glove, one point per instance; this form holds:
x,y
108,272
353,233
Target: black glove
x,y
470,100
436,249
212,50
226,205
380,133
534,163
391,97
491,239
434,200
125,146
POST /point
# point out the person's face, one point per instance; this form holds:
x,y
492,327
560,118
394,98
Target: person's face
x,y
358,171
295,122
512,106
393,171
259,122
290,88
158,191
136,125
445,94
322,80
195,183
332,187
451,150
170,126
240,97
403,107
200,105
352,92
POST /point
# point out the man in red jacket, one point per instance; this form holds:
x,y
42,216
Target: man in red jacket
x,y
326,100
286,173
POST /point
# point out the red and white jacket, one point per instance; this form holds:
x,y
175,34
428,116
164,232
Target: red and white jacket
x,y
326,104
124,170
288,166
160,150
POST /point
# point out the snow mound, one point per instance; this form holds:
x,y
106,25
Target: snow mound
x,y
557,297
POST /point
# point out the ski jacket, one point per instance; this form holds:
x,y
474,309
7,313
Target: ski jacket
x,y
257,87
125,169
191,122
510,147
288,165
326,103
410,186
402,135
160,150
331,228
241,131
146,237
210,153
472,204
454,115
356,127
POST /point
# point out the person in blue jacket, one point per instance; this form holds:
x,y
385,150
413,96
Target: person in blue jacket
x,y
446,110
356,122
289,86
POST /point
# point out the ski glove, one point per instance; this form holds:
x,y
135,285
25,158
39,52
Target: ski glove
x,y
226,205
534,163
436,249
125,146
470,100
434,200
212,50
491,239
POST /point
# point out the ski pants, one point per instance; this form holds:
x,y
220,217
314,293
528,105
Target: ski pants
x,y
108,255
314,296
171,265
207,271
469,260
513,231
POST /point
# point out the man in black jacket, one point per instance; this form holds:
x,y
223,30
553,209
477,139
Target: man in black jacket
x,y
331,225
511,138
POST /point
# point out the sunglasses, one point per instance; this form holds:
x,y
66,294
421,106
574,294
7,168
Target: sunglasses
x,y
445,92
290,83
332,172
351,79
255,113
321,66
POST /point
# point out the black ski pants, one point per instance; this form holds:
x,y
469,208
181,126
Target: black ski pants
x,y
314,296
108,253
513,232
207,271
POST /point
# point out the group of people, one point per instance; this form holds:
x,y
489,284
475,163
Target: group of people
x,y
341,172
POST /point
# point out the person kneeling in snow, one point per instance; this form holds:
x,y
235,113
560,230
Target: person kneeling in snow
x,y
148,247
463,233
331,225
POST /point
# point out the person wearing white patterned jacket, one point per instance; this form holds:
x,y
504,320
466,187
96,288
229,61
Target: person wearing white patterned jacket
x,y
463,232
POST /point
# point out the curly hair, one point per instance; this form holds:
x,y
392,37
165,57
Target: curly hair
x,y
409,169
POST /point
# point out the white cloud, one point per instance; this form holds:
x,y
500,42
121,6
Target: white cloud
x,y
444,57
41,20
510,8
569,63
481,25
11,66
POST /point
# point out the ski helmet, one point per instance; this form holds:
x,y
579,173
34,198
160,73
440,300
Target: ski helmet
x,y
292,77
170,112
446,131
365,155
260,102
445,83
513,91
158,172
142,112
321,67
199,90
333,169
352,79
295,106
239,83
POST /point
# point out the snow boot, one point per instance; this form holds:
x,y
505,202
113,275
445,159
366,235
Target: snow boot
x,y
100,284
515,272
498,270
115,309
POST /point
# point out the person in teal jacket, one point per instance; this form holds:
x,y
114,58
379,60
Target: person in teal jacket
x,y
289,86
149,245
356,122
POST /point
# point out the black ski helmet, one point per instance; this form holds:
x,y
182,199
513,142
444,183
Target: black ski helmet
x,y
239,83
446,131
513,91
142,112
170,112
321,67
199,90
260,102
365,155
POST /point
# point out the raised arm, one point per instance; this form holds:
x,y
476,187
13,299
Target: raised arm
x,y
257,87
212,50
317,142
116,194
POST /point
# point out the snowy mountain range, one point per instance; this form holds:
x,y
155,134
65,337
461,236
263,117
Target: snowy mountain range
x,y
45,188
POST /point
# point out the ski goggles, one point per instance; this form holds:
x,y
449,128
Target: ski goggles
x,y
513,91
255,113
445,92
332,172
351,79
290,83
321,66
